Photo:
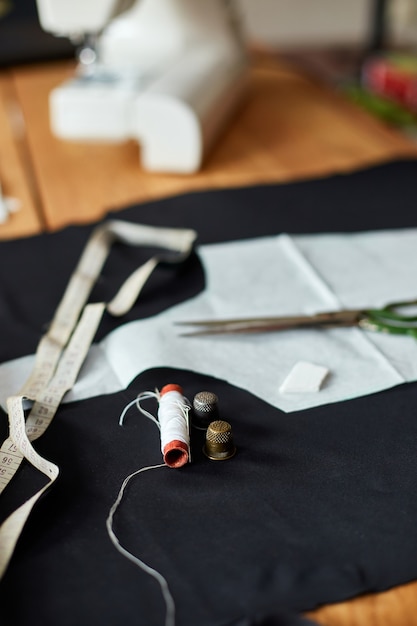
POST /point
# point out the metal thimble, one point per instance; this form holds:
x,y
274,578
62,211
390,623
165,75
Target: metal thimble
x,y
205,409
219,444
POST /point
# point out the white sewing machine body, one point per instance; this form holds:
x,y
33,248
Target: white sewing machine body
x,y
170,73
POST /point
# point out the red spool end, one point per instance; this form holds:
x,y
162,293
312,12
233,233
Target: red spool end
x,y
171,387
176,453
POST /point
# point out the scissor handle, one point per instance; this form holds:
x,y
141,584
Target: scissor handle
x,y
390,320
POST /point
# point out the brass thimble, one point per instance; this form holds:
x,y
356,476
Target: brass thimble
x,y
205,408
219,444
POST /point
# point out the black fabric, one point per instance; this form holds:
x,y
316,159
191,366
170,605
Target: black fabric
x,y
275,620
317,506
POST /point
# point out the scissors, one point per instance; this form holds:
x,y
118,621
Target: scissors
x,y
388,319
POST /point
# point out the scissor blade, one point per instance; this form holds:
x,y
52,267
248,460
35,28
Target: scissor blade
x,y
270,324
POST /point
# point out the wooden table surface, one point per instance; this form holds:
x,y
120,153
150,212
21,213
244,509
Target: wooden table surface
x,y
288,128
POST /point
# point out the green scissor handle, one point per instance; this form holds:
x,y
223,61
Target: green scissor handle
x,y
391,320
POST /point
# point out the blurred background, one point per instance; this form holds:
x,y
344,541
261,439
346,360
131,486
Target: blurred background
x,y
281,24
367,48
295,23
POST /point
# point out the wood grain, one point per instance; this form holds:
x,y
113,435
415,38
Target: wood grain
x,y
396,607
14,174
288,128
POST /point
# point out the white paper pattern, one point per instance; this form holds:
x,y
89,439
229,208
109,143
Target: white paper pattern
x,y
278,275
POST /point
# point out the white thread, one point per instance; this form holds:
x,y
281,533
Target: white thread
x,y
172,421
173,418
169,601
173,407
145,395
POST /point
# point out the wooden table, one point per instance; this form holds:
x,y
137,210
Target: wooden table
x,y
289,128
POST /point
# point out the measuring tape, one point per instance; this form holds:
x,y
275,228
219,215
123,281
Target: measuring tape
x,y
62,351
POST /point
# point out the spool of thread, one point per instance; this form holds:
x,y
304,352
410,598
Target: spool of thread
x,y
205,409
173,419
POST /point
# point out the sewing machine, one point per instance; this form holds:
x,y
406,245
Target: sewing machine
x,y
167,73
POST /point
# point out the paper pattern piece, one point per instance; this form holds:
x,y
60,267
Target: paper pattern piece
x,y
279,275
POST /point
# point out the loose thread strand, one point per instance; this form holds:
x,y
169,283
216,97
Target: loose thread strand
x,y
183,408
169,601
136,402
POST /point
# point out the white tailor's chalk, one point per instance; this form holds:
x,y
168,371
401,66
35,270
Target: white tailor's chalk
x,y
304,377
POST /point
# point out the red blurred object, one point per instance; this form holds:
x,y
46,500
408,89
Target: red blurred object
x,y
392,77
